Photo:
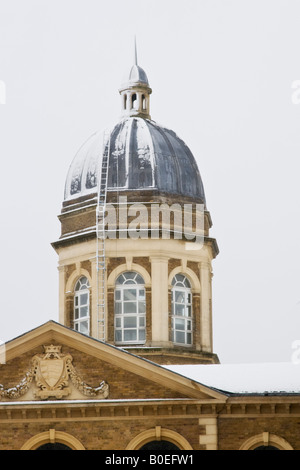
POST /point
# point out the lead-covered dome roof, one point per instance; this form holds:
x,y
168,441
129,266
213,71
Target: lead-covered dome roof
x,y
143,155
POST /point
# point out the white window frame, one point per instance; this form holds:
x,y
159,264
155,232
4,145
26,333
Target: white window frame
x,y
182,311
81,315
130,309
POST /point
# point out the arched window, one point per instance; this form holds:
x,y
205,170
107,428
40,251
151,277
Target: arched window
x,y
53,446
159,445
266,441
130,309
53,440
181,310
82,306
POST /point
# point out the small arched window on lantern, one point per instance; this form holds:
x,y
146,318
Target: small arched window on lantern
x,y
134,101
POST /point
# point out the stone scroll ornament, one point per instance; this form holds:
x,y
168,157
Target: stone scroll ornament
x,y
52,372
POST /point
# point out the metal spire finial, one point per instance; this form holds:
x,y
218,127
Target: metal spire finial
x,y
135,51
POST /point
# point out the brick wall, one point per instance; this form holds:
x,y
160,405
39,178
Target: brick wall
x,y
233,432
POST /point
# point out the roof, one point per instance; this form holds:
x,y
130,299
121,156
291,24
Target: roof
x,y
261,378
54,333
143,155
137,75
205,382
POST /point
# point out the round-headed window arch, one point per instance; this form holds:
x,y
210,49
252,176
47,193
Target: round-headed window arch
x,y
182,320
266,441
130,309
53,438
156,435
82,305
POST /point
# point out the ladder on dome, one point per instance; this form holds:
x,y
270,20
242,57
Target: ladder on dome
x,y
100,230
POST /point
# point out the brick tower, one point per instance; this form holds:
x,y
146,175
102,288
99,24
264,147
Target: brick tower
x,y
158,253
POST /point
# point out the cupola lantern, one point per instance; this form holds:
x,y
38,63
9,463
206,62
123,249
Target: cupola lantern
x,y
135,92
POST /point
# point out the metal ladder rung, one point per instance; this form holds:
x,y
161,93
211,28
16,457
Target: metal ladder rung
x,y
100,229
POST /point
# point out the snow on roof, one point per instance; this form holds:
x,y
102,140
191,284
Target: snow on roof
x,y
262,378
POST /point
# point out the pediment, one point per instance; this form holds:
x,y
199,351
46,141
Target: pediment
x,y
53,362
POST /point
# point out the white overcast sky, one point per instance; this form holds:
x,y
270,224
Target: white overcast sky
x,y
221,73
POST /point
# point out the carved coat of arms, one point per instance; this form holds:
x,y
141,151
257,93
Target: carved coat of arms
x,y
53,372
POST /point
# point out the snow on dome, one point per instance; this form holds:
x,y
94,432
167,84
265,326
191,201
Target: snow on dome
x,y
143,155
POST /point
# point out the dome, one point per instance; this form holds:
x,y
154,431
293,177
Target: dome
x,y
137,75
143,155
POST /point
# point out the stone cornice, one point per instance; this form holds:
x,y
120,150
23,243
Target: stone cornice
x,y
97,410
91,410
